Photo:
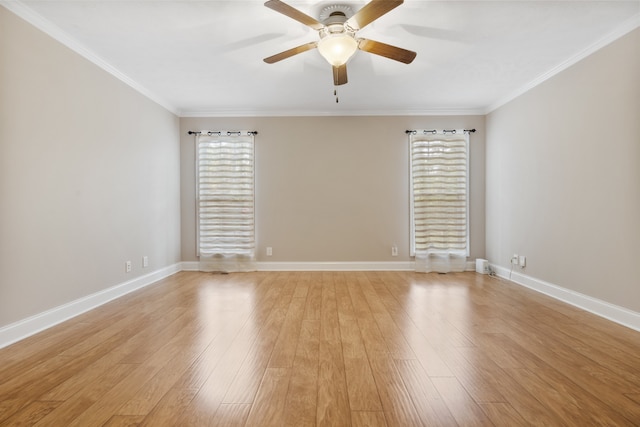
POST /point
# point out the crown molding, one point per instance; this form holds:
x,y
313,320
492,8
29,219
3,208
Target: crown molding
x,y
325,113
622,30
53,31
44,25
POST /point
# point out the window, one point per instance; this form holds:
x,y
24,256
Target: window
x,y
225,201
439,199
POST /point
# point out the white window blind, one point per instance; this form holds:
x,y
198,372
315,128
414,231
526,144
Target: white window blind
x,y
439,199
225,202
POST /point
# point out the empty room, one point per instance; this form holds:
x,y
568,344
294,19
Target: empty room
x,y
319,213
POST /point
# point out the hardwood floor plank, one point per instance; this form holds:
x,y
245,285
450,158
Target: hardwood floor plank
x,y
580,347
303,387
325,349
92,372
231,415
570,404
169,412
431,307
361,386
19,391
575,368
182,393
171,361
152,391
303,284
124,421
502,351
333,400
314,298
112,399
525,403
432,362
218,364
372,339
86,396
634,397
32,413
368,419
396,401
268,407
247,381
501,413
432,409
352,344
397,346
214,371
31,351
48,375
284,350
478,374
463,408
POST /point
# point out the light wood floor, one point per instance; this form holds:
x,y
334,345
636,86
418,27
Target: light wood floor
x,y
326,349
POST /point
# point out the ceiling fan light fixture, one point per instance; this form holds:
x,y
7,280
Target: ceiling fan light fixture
x,y
337,48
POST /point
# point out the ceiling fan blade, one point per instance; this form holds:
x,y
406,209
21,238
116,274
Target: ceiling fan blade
x,y
288,53
340,75
371,11
294,13
386,50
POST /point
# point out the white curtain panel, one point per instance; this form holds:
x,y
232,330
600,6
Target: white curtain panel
x,y
440,262
225,202
227,263
439,200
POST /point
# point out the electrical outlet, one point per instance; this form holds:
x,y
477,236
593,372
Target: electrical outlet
x,y
394,250
514,259
269,251
127,267
522,261
145,261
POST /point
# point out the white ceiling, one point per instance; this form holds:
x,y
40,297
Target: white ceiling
x,y
205,57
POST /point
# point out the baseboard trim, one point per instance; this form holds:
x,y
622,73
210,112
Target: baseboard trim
x,y
332,266
32,325
617,314
322,266
24,328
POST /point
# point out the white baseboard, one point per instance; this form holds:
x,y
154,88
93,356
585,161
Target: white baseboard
x,y
24,328
621,315
322,266
331,266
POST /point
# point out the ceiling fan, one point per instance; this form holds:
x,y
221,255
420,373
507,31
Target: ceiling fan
x,y
337,31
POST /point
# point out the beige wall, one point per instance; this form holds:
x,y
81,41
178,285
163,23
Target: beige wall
x,y
89,176
563,177
332,189
93,174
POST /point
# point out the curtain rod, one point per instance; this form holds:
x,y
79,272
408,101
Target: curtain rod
x,y
219,133
433,131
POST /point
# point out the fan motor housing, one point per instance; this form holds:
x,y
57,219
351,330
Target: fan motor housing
x,y
335,10
334,18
